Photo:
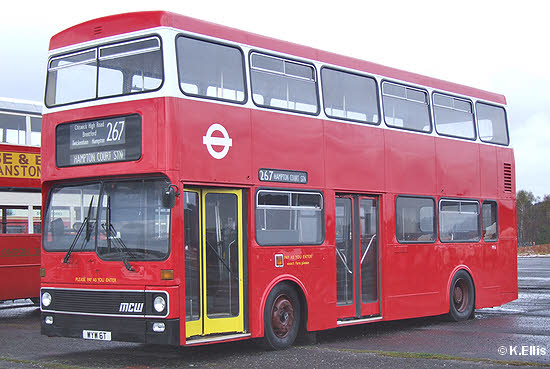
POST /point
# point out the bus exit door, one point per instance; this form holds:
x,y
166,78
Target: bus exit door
x,y
213,261
357,257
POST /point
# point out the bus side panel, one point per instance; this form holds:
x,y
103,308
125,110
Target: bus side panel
x,y
488,172
412,274
409,289
410,164
284,141
19,266
202,138
304,266
457,168
508,249
508,224
354,157
312,266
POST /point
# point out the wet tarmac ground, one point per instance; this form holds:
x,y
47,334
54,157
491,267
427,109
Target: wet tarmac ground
x,y
514,335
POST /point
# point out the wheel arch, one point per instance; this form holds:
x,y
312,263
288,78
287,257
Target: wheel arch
x,y
301,291
450,281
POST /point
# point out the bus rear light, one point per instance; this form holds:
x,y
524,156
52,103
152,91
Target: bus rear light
x,y
167,274
42,272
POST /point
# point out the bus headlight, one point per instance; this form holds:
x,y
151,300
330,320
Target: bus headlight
x,y
159,304
46,299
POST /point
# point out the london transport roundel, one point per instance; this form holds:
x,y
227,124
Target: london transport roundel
x,y
225,141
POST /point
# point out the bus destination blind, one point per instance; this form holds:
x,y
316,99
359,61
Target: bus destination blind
x,y
98,141
282,176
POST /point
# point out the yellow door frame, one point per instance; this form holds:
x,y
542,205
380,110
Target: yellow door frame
x,y
205,325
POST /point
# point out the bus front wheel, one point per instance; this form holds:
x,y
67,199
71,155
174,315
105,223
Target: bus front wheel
x,y
462,296
281,317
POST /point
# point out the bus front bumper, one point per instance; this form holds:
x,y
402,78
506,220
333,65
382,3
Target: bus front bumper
x,y
104,328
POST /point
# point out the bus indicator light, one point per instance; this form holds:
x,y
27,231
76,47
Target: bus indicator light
x,y
279,261
167,274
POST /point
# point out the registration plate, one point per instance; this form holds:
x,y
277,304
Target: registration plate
x,y
96,335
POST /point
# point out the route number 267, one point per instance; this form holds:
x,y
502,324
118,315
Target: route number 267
x,y
265,175
115,130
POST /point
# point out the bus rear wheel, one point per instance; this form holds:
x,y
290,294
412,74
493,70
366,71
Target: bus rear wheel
x,y
281,317
462,297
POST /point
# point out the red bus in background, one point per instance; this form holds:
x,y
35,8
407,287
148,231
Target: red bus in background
x,y
204,184
20,199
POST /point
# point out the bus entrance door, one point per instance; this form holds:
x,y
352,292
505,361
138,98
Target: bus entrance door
x,y
357,256
213,261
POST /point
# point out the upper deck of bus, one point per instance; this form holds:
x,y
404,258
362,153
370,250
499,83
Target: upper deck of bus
x,y
112,27
167,148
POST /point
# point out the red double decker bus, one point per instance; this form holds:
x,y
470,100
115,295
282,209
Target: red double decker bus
x,y
204,184
20,200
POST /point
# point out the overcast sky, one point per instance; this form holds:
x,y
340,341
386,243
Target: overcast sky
x,y
485,44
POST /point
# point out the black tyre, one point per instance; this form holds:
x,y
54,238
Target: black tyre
x,y
462,297
281,317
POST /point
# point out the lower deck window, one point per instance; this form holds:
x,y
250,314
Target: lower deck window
x,y
119,219
490,221
415,219
20,212
289,218
459,221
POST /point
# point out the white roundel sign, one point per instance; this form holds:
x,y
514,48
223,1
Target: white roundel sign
x,y
225,142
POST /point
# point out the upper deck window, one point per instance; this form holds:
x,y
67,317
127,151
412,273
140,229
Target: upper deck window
x,y
453,116
111,70
406,107
211,70
19,129
350,96
491,121
283,84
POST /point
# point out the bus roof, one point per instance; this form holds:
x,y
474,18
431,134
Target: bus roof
x,y
131,22
20,106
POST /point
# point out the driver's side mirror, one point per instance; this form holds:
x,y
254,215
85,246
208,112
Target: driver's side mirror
x,y
169,196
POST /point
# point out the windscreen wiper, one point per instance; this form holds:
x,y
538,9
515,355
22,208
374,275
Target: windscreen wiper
x,y
120,246
85,223
116,241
